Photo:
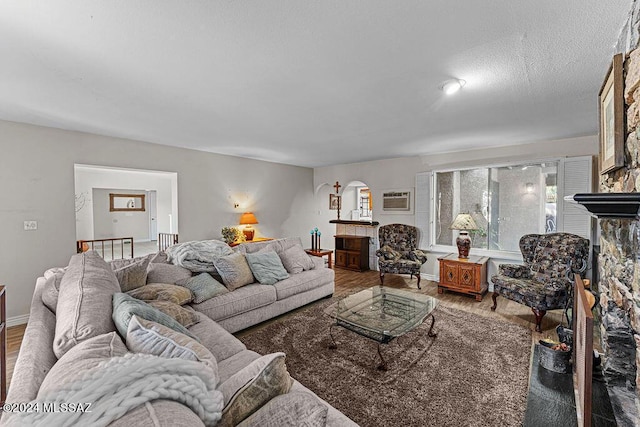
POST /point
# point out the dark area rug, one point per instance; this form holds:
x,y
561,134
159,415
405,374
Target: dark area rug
x,y
474,373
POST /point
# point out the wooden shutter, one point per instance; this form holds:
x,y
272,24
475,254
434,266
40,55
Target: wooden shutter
x,y
575,176
422,209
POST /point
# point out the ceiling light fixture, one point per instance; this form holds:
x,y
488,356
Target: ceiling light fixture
x,y
452,86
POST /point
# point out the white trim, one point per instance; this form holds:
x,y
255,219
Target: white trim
x,y
431,277
17,320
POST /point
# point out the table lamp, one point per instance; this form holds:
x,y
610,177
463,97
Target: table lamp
x,y
464,223
247,219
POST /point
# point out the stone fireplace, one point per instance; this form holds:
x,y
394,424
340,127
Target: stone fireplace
x,y
619,259
618,287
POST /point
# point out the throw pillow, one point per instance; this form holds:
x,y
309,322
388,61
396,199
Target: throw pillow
x,y
84,306
290,410
125,306
249,389
148,337
185,317
296,260
120,263
234,270
166,273
163,292
159,258
86,355
266,267
133,276
203,287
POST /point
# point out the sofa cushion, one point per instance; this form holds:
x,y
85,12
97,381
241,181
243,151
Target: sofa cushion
x,y
303,282
84,302
144,336
160,258
133,275
159,413
216,339
120,263
234,270
266,267
289,410
166,273
296,260
240,301
125,306
278,245
185,317
51,288
234,364
86,355
253,386
203,287
162,292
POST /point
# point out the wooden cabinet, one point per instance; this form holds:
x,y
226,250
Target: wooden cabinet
x,y
467,275
352,252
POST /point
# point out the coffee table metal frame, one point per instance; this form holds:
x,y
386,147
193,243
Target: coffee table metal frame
x,y
382,314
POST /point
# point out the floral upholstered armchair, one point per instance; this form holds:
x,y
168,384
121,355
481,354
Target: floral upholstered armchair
x,y
545,281
398,253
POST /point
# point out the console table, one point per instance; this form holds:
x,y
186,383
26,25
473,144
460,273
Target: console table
x,y
255,240
467,275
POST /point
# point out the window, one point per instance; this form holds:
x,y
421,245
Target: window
x,y
505,202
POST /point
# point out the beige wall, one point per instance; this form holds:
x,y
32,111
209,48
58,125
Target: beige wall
x,y
400,173
37,183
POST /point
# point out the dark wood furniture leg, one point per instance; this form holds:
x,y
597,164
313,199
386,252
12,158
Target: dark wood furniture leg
x,y
494,297
381,278
539,315
418,275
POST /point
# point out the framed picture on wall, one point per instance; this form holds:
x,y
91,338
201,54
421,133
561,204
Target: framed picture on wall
x,y
334,202
611,111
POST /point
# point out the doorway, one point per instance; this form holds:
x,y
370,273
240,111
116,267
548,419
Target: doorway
x,y
94,220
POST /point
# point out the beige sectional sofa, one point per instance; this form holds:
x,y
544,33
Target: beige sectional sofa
x,y
235,310
255,303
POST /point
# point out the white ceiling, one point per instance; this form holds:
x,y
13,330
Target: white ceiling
x,y
309,83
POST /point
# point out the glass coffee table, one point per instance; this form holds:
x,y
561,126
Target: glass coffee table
x,y
382,314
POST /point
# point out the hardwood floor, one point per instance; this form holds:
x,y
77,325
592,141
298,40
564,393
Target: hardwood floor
x,y
349,281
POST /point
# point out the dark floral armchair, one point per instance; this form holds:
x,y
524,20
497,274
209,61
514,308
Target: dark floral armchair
x,y
398,253
545,281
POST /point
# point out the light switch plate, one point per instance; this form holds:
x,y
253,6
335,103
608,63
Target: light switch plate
x,y
30,225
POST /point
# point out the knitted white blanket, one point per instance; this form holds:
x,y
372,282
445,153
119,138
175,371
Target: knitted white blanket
x,y
122,383
198,256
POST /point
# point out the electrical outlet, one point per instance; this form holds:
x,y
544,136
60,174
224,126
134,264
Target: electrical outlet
x,y
30,225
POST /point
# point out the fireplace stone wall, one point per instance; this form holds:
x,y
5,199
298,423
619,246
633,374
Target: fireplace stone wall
x,y
619,259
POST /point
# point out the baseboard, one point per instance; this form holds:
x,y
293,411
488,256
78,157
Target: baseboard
x,y
17,320
431,277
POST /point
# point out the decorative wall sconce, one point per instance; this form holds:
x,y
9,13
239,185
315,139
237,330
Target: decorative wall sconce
x,y
529,187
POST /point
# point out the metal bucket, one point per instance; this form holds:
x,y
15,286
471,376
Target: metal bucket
x,y
554,360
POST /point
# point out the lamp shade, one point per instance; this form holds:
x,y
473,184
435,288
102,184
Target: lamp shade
x,y
463,221
248,218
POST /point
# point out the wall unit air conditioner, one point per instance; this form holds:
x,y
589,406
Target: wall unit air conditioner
x,y
396,201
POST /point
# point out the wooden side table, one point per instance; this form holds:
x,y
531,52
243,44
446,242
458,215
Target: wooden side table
x,y
321,253
255,240
467,275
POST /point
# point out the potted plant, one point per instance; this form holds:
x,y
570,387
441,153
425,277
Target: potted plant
x,y
231,235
